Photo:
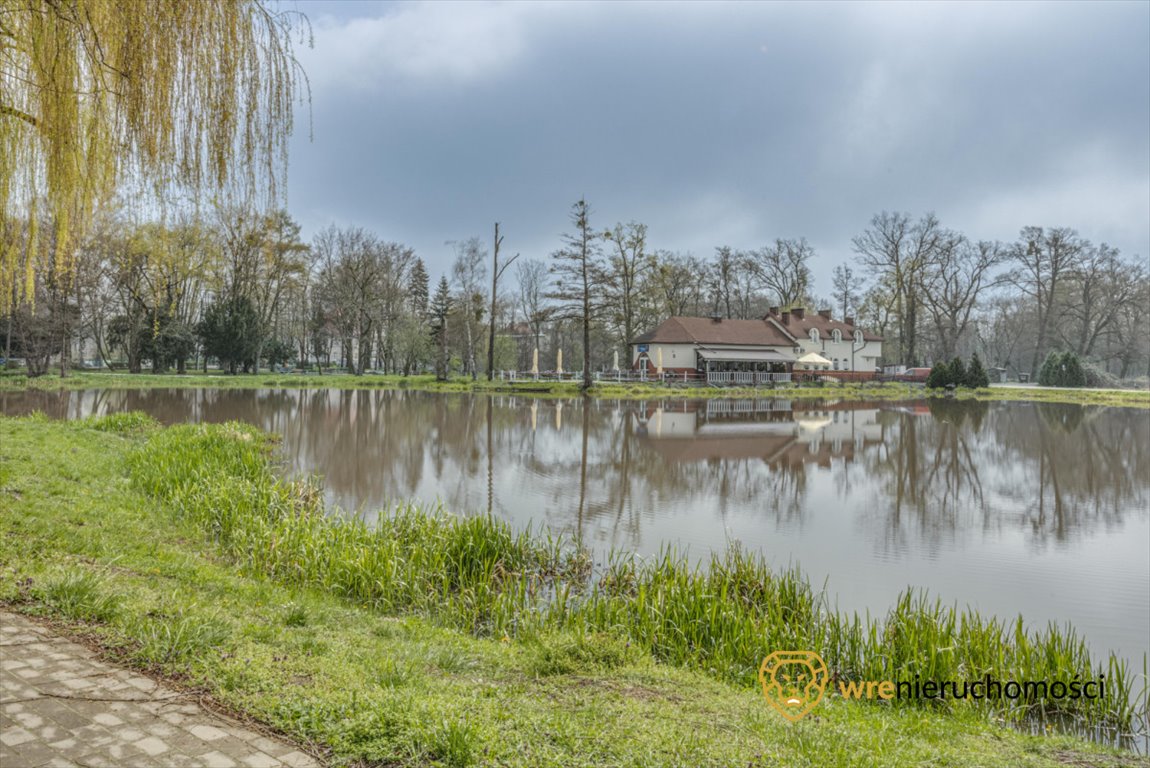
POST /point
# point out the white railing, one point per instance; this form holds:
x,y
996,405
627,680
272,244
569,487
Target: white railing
x,y
714,378
746,378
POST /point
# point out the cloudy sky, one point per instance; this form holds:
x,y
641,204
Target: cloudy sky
x,y
724,124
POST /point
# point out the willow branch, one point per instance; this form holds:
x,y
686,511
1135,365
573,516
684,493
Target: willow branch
x,y
13,112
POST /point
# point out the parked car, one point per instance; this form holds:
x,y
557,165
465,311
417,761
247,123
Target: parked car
x,y
915,375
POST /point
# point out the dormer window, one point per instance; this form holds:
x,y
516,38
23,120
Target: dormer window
x,y
837,335
814,334
858,337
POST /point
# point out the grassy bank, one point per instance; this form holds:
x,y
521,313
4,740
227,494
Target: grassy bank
x,y
437,640
626,391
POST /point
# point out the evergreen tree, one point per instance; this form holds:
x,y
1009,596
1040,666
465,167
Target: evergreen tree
x,y
1073,375
939,376
957,372
439,311
579,278
231,332
976,377
1050,375
417,290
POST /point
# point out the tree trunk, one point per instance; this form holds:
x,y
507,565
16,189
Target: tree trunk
x,y
491,319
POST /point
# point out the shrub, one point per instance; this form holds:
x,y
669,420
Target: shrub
x,y
976,377
957,372
1062,370
1049,374
1097,377
1072,373
939,376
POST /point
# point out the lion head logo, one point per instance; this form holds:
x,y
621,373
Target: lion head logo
x,y
793,682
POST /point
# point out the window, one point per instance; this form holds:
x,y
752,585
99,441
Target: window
x,y
814,334
858,337
836,363
837,335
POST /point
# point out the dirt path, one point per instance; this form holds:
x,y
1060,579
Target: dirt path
x,y
61,706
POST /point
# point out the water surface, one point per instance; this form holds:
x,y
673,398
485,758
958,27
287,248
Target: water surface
x,y
1008,507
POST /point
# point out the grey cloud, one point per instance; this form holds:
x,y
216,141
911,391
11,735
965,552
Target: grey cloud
x,y
733,124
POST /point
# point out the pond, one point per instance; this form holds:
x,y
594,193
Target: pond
x,y
1039,509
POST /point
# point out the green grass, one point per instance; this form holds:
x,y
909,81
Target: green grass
x,y
10,381
454,641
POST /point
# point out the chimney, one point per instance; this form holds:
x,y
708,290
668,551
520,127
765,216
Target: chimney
x,y
786,318
716,318
773,311
825,314
849,320
798,312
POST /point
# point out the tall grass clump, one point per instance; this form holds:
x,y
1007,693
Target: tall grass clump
x,y
121,423
80,595
477,574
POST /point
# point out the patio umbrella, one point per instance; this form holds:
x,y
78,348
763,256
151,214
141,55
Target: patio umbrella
x,y
559,362
535,362
813,358
616,365
659,366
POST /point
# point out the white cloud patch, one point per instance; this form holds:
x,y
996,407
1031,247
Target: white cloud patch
x,y
440,42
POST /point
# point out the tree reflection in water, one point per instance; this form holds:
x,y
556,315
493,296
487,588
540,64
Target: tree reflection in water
x,y
1044,501
915,474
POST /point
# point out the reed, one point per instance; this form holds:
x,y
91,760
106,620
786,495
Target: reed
x,y
477,574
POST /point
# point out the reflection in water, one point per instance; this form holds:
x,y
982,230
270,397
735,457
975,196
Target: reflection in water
x,y
1039,508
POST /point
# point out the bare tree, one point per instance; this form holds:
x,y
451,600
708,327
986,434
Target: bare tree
x,y
720,278
782,270
1043,259
496,273
952,285
531,275
676,283
629,264
467,273
1097,292
846,290
899,251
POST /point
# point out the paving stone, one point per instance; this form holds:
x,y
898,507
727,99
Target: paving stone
x,y
152,745
148,725
218,760
35,753
206,732
260,760
105,718
297,759
16,737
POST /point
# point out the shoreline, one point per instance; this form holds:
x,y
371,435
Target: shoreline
x,y
157,542
622,391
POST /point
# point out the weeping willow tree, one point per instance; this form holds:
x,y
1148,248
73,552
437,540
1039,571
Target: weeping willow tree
x,y
161,96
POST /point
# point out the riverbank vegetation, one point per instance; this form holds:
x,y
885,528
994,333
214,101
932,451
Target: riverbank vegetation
x,y
435,639
611,390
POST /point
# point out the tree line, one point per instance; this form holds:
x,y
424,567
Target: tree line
x,y
242,289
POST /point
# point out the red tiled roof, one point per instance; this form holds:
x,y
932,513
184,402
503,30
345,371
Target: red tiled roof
x,y
704,330
801,327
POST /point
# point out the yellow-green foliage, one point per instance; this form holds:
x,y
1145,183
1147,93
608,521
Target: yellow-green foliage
x,y
94,92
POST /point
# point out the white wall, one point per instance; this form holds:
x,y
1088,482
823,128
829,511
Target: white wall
x,y
674,355
852,356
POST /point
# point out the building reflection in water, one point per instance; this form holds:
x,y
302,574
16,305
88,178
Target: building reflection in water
x,y
1007,506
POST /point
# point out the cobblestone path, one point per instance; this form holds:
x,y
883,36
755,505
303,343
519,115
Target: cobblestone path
x,y
61,706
